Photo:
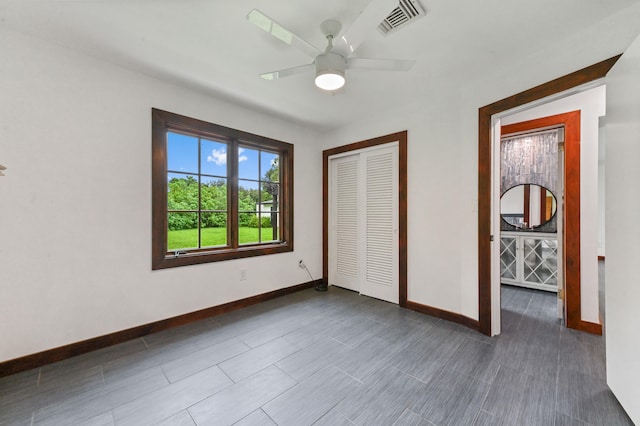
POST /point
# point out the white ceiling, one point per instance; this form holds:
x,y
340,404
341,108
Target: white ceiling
x,y
210,46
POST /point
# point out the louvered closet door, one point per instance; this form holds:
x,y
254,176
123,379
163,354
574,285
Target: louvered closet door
x,y
344,258
363,220
380,224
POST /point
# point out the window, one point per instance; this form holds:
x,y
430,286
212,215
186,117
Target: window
x,y
218,193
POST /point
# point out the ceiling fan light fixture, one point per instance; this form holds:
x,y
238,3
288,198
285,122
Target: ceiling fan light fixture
x,y
330,80
330,69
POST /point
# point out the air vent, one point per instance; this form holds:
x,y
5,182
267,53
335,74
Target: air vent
x,y
407,11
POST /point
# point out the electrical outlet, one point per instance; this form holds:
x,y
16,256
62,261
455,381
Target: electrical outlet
x,y
243,274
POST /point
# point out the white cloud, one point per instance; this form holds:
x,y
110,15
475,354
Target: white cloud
x,y
218,156
241,157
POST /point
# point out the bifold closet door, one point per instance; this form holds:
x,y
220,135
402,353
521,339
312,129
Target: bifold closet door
x,y
380,224
364,222
344,259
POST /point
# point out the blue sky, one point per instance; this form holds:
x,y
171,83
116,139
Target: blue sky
x,y
182,156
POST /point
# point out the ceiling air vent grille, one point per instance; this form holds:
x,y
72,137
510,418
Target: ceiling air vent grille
x,y
406,11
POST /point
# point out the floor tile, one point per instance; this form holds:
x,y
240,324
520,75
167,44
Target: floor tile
x,y
241,399
182,418
169,400
476,359
564,420
423,357
383,399
257,418
485,419
582,352
367,358
588,398
308,401
254,360
331,358
518,398
333,418
104,419
309,360
104,398
409,418
202,359
451,398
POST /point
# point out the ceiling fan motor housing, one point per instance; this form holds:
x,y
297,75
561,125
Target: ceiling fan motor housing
x,y
330,69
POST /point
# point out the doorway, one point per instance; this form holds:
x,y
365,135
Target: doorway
x,y
545,240
489,301
372,154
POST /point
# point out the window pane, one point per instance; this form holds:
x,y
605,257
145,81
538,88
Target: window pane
x,y
182,231
247,196
182,191
269,196
270,230
270,165
214,158
213,194
182,153
248,163
248,231
213,231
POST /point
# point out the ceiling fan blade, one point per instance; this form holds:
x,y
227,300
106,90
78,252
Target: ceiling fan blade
x,y
368,20
380,64
274,75
267,24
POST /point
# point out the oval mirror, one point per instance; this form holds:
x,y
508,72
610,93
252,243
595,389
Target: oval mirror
x,y
527,206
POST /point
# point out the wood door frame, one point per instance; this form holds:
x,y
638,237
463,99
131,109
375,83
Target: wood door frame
x,y
485,152
401,138
570,121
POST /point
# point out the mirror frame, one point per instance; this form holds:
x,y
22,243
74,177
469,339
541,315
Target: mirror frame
x,y
524,228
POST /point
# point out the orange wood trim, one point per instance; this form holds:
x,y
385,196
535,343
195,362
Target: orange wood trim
x,y
543,206
401,138
571,123
485,113
527,204
589,327
63,352
445,315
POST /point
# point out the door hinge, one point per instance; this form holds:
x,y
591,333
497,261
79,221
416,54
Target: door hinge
x,y
561,293
491,238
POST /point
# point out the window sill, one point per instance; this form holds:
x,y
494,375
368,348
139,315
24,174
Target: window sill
x,y
195,258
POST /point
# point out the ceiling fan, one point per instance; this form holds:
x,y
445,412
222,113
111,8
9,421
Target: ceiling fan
x,y
331,64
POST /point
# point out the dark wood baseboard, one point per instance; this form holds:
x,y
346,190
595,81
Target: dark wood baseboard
x,y
589,327
445,315
63,352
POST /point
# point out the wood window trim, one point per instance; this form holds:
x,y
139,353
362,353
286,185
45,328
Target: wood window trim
x,y
569,81
162,121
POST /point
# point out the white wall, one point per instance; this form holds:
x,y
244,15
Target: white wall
x,y
75,201
601,186
443,186
623,228
591,104
442,201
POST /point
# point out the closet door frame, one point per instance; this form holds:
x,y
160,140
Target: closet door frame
x,y
401,139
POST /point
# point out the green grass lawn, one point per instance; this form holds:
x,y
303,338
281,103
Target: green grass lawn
x,y
211,237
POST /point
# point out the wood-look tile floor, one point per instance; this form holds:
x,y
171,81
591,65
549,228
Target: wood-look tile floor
x,y
333,358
